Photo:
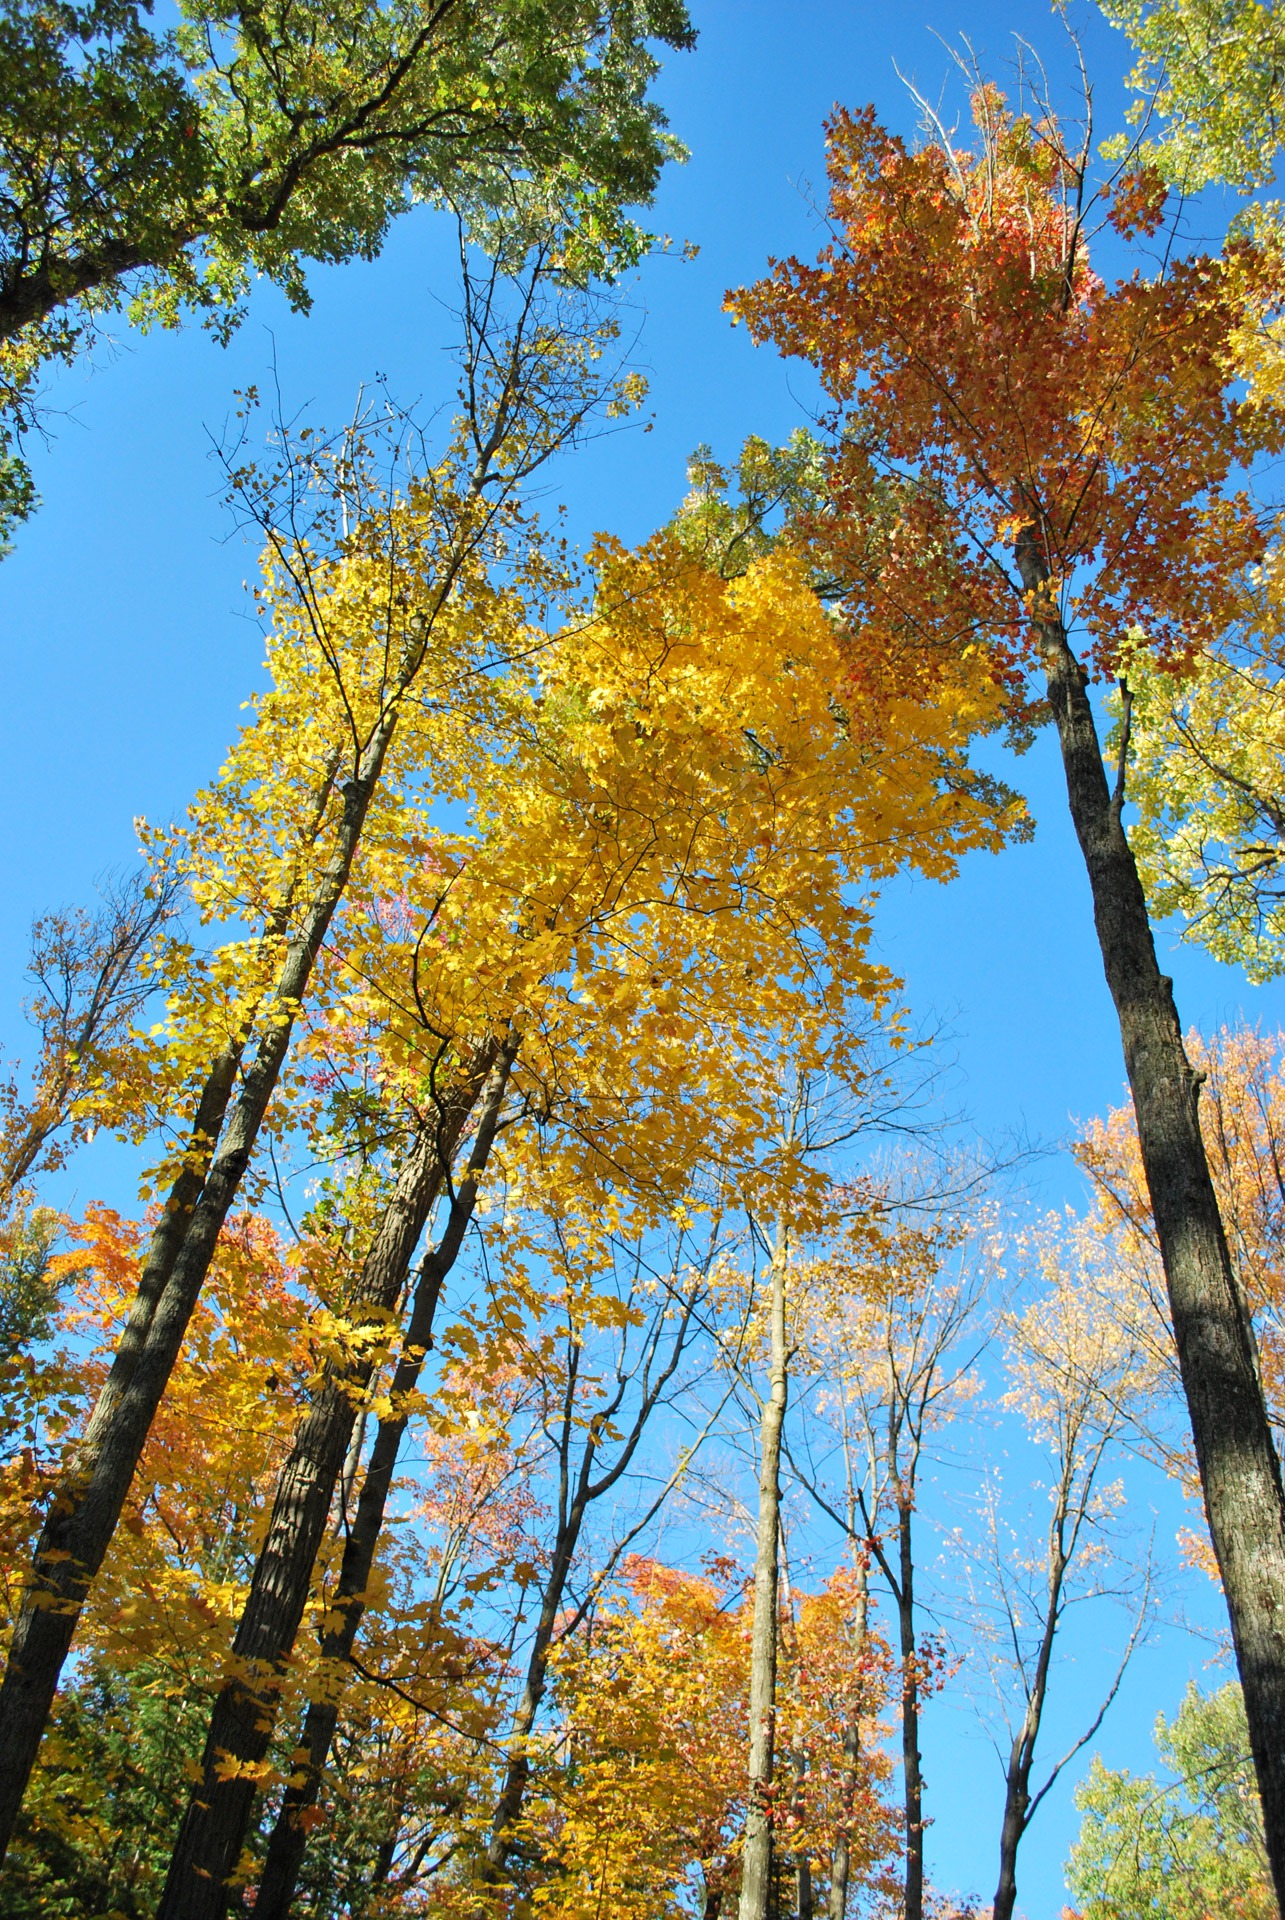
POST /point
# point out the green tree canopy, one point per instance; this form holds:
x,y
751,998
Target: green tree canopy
x,y
1216,72
1184,1849
162,170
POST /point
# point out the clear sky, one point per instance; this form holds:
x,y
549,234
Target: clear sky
x,y
129,642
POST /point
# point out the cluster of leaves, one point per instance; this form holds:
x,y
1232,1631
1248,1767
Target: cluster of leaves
x,y
1184,1847
163,170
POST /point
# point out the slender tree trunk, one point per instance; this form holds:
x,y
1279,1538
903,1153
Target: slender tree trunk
x,y
244,1718
1021,1758
912,1776
1239,1467
508,1807
757,1855
841,1855
803,1890
289,1840
575,1494
803,1887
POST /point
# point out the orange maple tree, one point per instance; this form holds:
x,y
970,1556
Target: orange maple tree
x,y
1032,462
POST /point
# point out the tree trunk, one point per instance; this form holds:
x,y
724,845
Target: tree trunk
x,y
508,1807
289,1841
841,1854
757,1857
244,1718
28,299
1239,1468
912,1777
1021,1758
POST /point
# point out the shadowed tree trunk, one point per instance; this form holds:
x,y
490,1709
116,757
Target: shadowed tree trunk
x,y
757,1855
213,1832
289,1840
1239,1468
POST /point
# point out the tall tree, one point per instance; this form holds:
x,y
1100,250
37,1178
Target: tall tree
x,y
758,1852
1076,1374
274,845
208,1848
895,1323
655,1708
1025,450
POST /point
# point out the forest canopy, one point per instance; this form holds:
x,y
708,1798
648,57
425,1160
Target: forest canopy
x,y
528,1387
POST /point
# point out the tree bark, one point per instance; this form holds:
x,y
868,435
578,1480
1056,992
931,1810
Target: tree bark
x,y
911,1764
757,1854
1021,1758
289,1840
243,1722
1239,1467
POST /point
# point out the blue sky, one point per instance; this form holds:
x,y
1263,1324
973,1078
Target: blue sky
x,y
129,640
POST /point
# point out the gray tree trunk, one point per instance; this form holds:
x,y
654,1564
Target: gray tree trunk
x,y
288,1844
757,1854
243,1722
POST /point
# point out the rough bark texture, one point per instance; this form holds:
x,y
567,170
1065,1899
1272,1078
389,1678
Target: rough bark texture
x,y
289,1840
756,1859
242,1724
1239,1468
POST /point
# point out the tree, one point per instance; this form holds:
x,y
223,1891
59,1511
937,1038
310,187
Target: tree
x,y
965,343
654,1728
162,170
273,846
207,1850
92,977
1177,1849
895,1323
758,1850
96,1826
593,1423
1205,775
1212,71
1077,1373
